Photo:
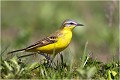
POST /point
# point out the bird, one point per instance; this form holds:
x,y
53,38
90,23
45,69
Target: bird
x,y
55,42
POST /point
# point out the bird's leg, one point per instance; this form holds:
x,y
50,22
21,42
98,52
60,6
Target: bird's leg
x,y
46,56
62,61
61,56
49,59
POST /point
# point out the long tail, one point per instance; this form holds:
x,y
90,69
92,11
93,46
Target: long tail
x,y
20,50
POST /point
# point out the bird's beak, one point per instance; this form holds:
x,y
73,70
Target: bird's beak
x,y
79,24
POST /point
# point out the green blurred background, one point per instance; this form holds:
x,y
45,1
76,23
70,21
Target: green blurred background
x,y
24,22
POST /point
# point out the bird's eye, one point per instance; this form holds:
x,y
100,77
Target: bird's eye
x,y
71,23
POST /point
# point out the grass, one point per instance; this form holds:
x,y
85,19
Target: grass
x,y
89,68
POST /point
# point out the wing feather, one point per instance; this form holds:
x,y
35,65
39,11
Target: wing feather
x,y
43,42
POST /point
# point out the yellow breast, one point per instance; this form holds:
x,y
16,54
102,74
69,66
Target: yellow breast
x,y
62,42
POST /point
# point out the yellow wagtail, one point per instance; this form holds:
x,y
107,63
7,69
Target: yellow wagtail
x,y
54,43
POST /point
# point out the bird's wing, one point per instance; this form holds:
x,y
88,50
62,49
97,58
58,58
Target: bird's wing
x,y
43,42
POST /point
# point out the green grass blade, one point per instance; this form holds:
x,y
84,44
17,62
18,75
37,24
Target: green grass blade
x,y
84,55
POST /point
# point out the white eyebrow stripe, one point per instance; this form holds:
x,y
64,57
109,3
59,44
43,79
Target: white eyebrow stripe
x,y
74,22
71,22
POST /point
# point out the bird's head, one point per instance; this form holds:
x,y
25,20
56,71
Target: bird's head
x,y
70,24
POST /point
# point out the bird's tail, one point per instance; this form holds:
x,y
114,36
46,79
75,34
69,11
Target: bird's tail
x,y
20,50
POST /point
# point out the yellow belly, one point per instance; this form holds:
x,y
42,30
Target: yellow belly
x,y
61,44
